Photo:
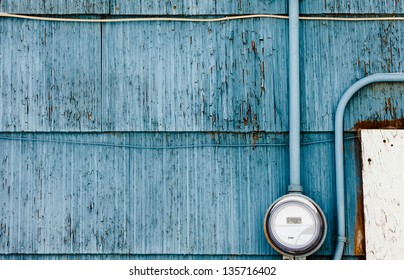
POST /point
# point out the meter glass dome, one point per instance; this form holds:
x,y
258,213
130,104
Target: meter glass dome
x,y
295,225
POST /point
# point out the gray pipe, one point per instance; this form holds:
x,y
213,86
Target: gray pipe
x,y
339,153
294,97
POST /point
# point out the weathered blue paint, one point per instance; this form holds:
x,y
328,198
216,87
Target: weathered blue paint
x,y
337,54
197,7
142,71
205,76
152,201
165,84
57,7
368,7
50,76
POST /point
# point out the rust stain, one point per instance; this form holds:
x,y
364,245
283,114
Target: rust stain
x,y
256,120
359,242
213,135
366,67
359,237
374,124
389,108
253,47
247,119
214,119
255,138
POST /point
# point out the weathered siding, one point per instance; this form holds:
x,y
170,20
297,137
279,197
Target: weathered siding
x,y
154,197
153,89
197,7
367,7
50,76
61,7
206,76
334,55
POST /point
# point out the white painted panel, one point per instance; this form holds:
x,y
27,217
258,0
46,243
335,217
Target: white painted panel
x,y
383,192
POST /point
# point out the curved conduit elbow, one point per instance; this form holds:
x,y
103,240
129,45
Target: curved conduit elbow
x,y
339,154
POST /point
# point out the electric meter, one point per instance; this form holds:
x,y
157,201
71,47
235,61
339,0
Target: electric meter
x,y
295,226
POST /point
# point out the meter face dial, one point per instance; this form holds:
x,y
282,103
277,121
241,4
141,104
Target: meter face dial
x,y
295,225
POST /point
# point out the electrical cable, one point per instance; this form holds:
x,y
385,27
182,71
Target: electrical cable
x,y
176,147
196,19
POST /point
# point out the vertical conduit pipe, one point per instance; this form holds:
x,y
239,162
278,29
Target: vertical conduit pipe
x,y
339,150
294,97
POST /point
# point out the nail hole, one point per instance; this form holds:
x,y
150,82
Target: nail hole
x,y
369,160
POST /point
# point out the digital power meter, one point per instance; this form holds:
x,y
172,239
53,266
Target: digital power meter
x,y
295,226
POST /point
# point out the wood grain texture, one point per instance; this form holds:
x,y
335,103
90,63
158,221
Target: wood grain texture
x,y
50,77
383,187
334,56
197,7
195,76
66,198
55,7
369,7
167,84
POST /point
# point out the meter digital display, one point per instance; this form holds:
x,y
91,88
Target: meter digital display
x,y
293,220
295,225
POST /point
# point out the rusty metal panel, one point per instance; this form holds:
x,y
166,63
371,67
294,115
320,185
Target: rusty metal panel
x,y
68,196
368,7
50,76
335,55
60,7
197,7
195,76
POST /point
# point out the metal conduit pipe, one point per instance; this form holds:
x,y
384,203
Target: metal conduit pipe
x,y
339,154
294,97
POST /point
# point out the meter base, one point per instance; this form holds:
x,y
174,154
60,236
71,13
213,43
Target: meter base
x,y
293,258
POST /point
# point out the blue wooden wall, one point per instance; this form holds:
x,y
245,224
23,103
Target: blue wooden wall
x,y
169,140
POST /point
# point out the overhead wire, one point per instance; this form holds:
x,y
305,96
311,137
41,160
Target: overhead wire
x,y
197,19
167,147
